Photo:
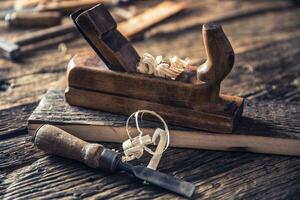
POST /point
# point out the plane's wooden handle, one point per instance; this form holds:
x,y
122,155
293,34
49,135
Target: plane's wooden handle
x,y
33,19
220,55
56,141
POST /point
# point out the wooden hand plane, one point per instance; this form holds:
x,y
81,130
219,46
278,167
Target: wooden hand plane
x,y
107,79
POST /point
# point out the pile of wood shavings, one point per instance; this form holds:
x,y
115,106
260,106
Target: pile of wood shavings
x,y
169,68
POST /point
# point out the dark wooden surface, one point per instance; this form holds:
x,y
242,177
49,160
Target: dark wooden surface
x,y
259,118
266,38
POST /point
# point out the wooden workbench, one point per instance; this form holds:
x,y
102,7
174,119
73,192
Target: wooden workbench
x,y
266,39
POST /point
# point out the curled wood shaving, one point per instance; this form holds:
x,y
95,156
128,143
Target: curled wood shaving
x,y
169,68
134,147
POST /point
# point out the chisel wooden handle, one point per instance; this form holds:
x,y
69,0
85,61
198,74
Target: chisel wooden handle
x,y
32,19
58,142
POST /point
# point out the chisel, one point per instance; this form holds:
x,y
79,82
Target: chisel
x,y
56,141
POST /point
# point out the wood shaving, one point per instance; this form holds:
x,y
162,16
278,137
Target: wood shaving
x,y
134,147
169,68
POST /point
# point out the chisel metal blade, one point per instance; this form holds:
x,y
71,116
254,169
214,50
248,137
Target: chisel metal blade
x,y
159,179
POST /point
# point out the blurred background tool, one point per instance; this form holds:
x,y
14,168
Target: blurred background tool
x,y
12,50
123,2
133,25
65,6
41,14
27,19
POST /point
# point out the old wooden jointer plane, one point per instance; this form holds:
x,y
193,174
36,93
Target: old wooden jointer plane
x,y
107,80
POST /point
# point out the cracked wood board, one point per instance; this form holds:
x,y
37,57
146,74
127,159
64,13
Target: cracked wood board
x,y
264,127
28,173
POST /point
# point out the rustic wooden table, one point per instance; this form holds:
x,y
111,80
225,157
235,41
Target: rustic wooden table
x,y
266,39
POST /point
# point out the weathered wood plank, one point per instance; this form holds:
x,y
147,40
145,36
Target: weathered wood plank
x,y
265,127
14,121
259,119
227,175
17,152
255,178
217,175
213,11
282,65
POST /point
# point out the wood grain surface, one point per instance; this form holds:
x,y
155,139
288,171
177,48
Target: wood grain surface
x,y
265,35
259,118
262,129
